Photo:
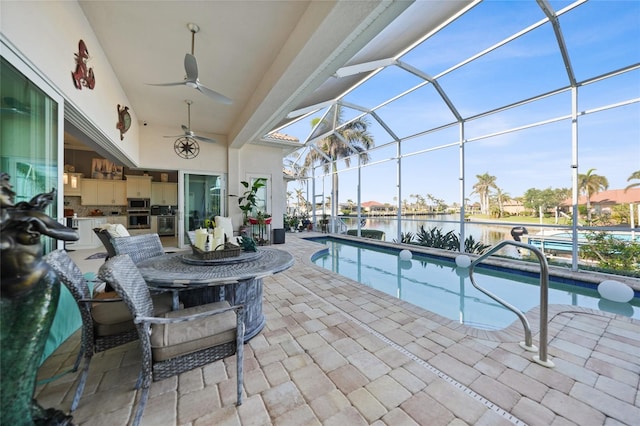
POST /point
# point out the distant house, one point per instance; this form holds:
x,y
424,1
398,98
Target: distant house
x,y
602,202
373,207
513,207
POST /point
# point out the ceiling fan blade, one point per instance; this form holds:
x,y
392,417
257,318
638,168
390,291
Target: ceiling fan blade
x,y
213,94
191,67
176,136
203,139
186,129
167,84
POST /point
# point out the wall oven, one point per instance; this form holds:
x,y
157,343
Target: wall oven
x,y
139,219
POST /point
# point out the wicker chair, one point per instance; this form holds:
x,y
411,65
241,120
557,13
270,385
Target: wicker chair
x,y
106,322
105,238
178,341
138,247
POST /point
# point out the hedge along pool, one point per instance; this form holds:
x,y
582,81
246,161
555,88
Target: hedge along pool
x,y
438,286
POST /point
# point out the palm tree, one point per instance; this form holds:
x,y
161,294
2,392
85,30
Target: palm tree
x,y
634,175
502,197
590,184
485,183
332,147
301,201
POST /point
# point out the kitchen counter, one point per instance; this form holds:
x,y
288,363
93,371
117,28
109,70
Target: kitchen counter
x,y
88,239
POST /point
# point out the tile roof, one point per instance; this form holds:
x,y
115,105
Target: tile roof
x,y
612,196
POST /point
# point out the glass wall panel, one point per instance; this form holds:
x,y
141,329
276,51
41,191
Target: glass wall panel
x,y
548,108
483,26
613,157
419,110
537,158
385,85
378,185
434,176
602,36
615,89
29,134
524,68
431,140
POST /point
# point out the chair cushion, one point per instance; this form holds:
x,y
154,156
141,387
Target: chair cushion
x,y
226,224
115,230
111,318
173,340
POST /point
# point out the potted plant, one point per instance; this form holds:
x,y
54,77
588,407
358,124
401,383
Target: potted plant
x,y
293,223
247,202
324,222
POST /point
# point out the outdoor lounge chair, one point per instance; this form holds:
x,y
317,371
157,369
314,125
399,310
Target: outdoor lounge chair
x,y
106,322
180,340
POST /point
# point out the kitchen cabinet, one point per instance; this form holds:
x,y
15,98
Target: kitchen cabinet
x,y
89,192
88,239
72,187
102,192
154,224
138,186
164,194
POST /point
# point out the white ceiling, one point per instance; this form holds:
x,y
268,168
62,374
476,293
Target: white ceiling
x,y
269,57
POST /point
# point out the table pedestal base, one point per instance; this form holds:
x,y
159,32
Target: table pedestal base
x,y
246,292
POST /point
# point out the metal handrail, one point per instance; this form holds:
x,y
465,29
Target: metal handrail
x,y
541,358
341,227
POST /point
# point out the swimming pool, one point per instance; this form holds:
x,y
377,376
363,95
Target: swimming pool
x,y
439,286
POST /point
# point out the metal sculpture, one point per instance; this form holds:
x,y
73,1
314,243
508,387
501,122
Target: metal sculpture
x,y
518,231
83,76
28,301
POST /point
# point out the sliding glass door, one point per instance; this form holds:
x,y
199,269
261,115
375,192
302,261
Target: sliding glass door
x,y
31,135
201,197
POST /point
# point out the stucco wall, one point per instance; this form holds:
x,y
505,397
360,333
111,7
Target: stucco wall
x,y
47,34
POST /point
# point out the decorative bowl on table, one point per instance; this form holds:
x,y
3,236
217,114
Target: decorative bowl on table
x,y
229,250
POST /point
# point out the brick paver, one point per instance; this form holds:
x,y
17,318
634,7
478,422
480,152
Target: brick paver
x,y
318,362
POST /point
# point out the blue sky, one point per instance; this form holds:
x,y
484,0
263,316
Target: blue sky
x,y
601,36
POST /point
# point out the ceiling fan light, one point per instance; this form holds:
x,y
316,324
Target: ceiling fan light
x,y
191,84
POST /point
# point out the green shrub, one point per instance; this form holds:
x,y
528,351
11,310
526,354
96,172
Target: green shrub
x,y
611,253
367,233
434,237
406,238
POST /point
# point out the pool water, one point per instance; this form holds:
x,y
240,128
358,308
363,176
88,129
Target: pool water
x,y
439,286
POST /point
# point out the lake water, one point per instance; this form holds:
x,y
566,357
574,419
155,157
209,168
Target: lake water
x,y
488,234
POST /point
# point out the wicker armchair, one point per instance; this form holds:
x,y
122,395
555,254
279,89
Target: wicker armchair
x,y
105,238
138,247
106,321
178,341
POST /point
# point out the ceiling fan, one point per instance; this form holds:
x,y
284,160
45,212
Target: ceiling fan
x,y
187,129
191,69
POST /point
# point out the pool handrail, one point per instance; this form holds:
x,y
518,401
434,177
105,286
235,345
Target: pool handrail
x,y
541,358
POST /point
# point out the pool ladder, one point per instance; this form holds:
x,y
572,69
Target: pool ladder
x,y
528,345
